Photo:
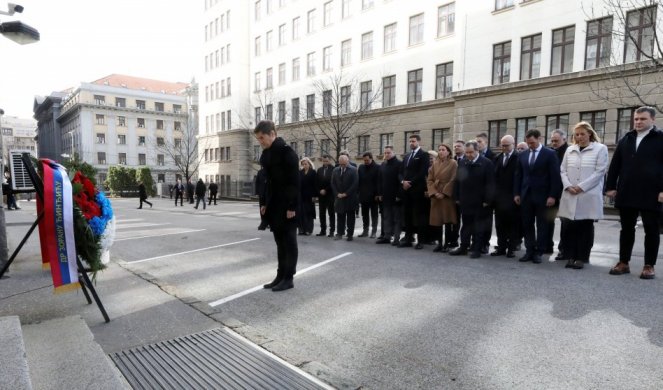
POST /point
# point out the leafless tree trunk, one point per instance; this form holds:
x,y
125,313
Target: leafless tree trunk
x,y
182,149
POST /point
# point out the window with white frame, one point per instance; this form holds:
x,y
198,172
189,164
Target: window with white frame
x,y
346,95
446,19
310,106
366,99
256,82
295,69
327,13
294,110
101,138
141,159
100,119
327,58
281,74
269,82
122,158
388,91
268,41
443,80
101,158
522,125
310,64
641,39
416,29
121,139
122,121
257,10
327,103
366,4
386,139
346,52
345,8
390,37
161,161
281,112
364,142
501,4
414,82
282,34
258,114
257,46
308,148
295,28
367,45
310,21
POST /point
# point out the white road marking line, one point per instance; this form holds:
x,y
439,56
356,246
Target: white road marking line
x,y
192,251
135,225
123,221
158,235
231,213
258,288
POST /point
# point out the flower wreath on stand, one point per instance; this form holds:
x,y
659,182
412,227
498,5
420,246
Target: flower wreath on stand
x,y
94,223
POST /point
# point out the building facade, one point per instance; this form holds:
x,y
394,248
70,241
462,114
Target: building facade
x,y
443,69
119,120
18,134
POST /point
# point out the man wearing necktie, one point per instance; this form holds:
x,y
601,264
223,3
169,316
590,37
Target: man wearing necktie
x,y
413,180
535,188
344,184
325,197
507,213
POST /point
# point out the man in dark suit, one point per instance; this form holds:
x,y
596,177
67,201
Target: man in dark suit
x,y
635,179
179,192
413,180
559,145
454,232
325,197
507,215
535,188
485,151
279,201
389,194
368,188
474,191
213,190
344,184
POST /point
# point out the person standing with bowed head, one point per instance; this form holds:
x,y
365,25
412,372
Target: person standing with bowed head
x,y
583,169
279,201
441,181
306,193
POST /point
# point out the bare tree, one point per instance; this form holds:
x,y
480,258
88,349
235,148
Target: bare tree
x,y
343,116
182,149
635,73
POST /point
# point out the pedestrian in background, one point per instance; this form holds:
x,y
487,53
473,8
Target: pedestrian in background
x,y
441,180
142,195
190,190
179,192
279,201
201,189
213,190
306,194
583,169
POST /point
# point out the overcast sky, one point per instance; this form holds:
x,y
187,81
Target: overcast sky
x,y
85,40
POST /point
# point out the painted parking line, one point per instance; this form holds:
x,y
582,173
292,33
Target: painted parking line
x,y
192,251
140,224
258,288
131,235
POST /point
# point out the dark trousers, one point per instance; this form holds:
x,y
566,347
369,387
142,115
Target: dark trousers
x,y
305,217
392,218
507,220
346,218
326,208
550,244
533,214
212,197
454,230
488,227
413,215
179,196
471,234
286,250
198,199
578,237
372,208
628,217
144,200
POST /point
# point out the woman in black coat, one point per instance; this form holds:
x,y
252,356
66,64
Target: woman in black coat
x,y
307,191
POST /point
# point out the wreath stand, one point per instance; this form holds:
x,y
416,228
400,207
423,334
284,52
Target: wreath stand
x,y
83,278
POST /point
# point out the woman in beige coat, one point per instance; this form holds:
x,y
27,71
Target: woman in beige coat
x,y
441,180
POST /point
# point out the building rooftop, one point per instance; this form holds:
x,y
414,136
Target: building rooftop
x,y
138,83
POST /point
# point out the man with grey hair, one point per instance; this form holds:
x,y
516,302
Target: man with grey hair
x,y
559,145
507,214
344,184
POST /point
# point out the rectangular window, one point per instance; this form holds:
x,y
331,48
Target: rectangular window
x,y
501,62
120,102
310,21
281,74
501,4
640,37
269,112
293,146
140,122
101,138
140,104
364,142
310,106
596,119
406,139
295,69
158,106
159,124
446,19
388,91
390,37
223,121
441,136
367,45
366,97
295,28
256,10
294,116
444,80
268,6
258,115
161,177
327,103
366,4
326,58
530,57
345,8
414,81
121,139
327,13
522,125
122,159
346,95
256,46
228,119
624,122
282,34
100,119
308,148
100,100
227,153
178,160
310,64
160,160
325,147
121,121
177,126
177,142
177,108
141,140
496,130
256,80
416,29
554,122
101,158
141,159
599,41
268,41
562,50
346,52
160,141
269,81
281,112
386,139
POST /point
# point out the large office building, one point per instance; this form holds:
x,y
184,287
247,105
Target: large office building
x,y
443,69
118,120
18,134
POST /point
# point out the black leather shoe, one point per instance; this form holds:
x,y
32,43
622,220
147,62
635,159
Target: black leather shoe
x,y
394,243
498,253
438,248
419,246
475,255
525,258
445,249
274,282
510,254
484,250
560,256
284,284
458,252
405,244
383,241
536,259
349,238
363,234
330,235
569,264
578,264
321,234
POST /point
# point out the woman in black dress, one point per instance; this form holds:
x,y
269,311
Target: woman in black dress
x,y
307,178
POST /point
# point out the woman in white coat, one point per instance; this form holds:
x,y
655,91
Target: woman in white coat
x,y
583,169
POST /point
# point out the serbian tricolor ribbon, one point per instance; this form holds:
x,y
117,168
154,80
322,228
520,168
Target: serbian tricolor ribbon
x,y
56,228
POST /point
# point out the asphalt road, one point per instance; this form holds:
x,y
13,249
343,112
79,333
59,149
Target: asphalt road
x,y
387,318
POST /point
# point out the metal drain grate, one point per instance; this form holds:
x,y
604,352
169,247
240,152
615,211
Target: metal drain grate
x,y
213,359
